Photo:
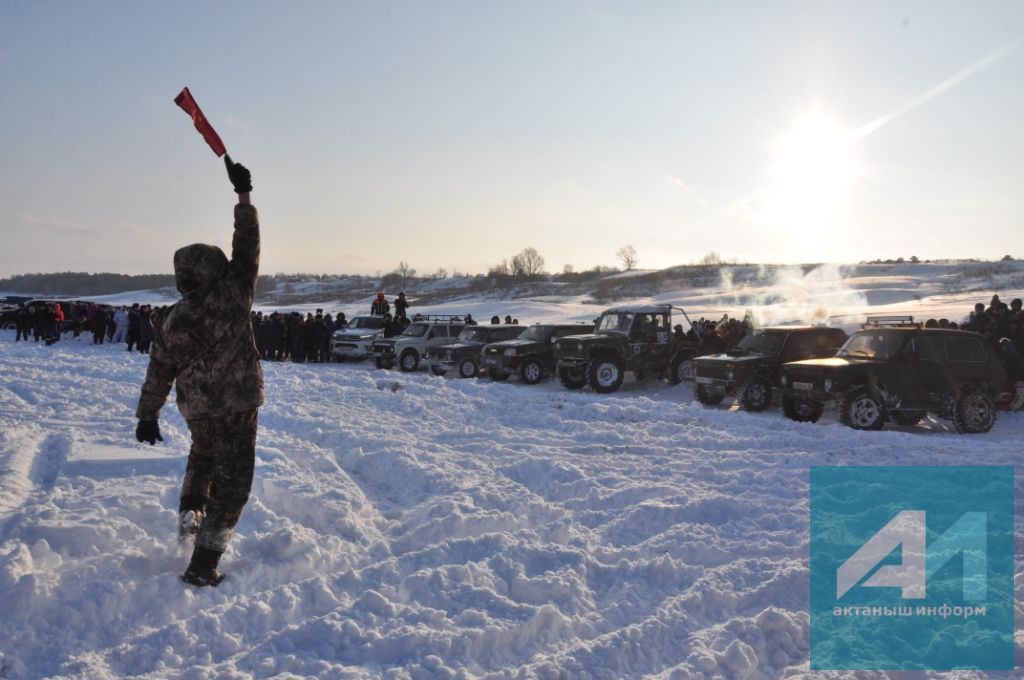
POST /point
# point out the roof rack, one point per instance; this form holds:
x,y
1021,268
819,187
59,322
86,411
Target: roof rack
x,y
437,318
890,322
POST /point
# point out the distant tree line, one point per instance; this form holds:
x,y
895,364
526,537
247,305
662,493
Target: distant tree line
x,y
86,284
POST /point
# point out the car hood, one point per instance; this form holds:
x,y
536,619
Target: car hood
x,y
357,333
516,342
454,347
831,362
732,358
595,338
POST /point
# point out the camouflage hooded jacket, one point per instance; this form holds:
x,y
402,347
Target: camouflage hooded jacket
x,y
204,344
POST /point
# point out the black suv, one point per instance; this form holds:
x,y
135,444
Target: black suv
x,y
532,354
465,353
895,369
639,339
752,369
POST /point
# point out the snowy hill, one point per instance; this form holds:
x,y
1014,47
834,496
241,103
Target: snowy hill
x,y
409,526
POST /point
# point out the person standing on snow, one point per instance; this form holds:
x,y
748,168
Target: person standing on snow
x,y
380,305
205,346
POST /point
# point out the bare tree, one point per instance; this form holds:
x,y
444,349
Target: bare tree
x,y
405,271
441,273
527,263
627,254
568,269
711,258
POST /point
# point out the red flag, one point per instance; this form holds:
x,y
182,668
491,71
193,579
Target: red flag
x,y
189,106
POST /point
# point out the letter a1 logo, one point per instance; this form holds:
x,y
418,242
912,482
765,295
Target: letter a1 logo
x,y
911,568
908,531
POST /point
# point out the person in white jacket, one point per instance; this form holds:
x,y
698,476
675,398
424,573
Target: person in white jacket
x,y
121,325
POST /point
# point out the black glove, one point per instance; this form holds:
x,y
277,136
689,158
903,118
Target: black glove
x,y
148,431
239,175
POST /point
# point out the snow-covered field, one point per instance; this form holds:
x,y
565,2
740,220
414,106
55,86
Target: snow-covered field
x,y
409,526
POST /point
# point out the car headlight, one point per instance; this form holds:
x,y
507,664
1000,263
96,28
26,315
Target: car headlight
x,y
783,380
511,352
828,384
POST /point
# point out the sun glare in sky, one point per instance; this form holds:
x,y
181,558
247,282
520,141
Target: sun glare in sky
x,y
813,165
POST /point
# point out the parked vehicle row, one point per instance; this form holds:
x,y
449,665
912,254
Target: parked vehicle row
x,y
892,370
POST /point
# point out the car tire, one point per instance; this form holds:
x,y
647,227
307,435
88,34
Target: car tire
x,y
437,370
8,326
531,372
468,368
381,362
974,411
682,369
409,360
757,394
572,378
605,374
907,418
707,397
861,410
801,411
499,376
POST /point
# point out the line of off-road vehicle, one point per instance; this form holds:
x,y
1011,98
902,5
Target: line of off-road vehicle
x,y
891,370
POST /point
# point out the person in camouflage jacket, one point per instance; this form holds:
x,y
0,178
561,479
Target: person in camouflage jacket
x,y
204,346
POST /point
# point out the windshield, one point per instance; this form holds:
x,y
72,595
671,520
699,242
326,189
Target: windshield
x,y
416,330
369,322
615,322
872,345
536,333
762,342
472,334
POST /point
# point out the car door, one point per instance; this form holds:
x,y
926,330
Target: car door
x,y
966,360
923,376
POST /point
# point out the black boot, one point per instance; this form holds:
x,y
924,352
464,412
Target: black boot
x,y
202,570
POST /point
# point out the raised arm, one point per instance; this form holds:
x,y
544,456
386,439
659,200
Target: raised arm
x,y
245,244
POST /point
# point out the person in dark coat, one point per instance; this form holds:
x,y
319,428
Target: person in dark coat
x,y
134,326
206,348
401,304
22,324
146,331
469,320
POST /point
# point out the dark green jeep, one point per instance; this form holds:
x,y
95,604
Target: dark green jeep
x,y
640,339
532,354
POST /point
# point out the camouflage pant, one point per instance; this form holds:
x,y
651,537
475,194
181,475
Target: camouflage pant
x,y
218,476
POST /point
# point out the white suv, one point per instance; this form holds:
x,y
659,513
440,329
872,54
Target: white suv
x,y
408,348
354,340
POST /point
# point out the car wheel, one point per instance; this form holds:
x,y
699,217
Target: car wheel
x,y
381,362
682,370
497,375
757,395
572,378
974,411
605,375
861,410
707,397
437,370
409,361
531,372
467,368
801,411
907,418
8,326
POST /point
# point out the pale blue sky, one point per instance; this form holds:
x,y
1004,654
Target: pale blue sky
x,y
453,134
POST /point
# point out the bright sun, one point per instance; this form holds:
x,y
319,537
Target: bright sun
x,y
813,165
